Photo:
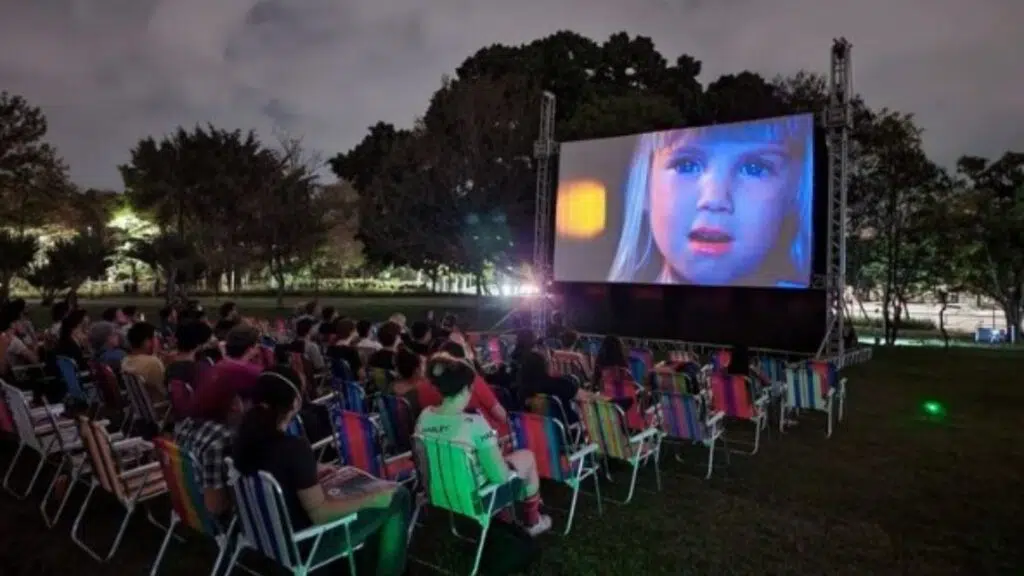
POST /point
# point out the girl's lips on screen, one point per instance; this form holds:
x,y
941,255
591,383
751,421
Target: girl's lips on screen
x,y
710,241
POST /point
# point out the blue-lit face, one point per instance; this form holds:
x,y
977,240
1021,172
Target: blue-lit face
x,y
716,206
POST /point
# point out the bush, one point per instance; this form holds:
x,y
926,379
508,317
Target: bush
x,y
905,324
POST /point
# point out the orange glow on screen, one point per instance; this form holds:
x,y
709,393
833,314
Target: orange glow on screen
x,y
581,210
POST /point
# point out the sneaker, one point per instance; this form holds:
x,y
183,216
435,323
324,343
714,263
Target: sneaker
x,y
543,525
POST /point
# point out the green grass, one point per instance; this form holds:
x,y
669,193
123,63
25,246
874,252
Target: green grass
x,y
472,311
890,493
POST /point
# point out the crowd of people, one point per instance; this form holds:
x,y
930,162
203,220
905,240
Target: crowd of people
x,y
246,389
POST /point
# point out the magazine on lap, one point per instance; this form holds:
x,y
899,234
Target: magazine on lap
x,y
352,484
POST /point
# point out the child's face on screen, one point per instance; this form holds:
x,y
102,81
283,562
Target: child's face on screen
x,y
716,205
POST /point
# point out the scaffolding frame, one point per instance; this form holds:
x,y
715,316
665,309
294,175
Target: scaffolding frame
x,y
545,150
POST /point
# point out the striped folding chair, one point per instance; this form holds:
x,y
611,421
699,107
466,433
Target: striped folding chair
x,y
666,379
110,393
75,380
182,473
720,359
397,420
452,481
606,425
358,441
552,407
297,428
350,394
35,432
73,460
641,361
267,529
686,417
815,386
152,416
570,363
680,356
120,469
556,458
341,370
736,397
619,384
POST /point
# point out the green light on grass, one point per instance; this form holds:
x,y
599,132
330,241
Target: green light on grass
x,y
933,409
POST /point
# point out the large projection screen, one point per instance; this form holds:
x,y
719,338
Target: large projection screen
x,y
722,205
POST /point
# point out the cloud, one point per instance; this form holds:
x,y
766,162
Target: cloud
x,y
108,72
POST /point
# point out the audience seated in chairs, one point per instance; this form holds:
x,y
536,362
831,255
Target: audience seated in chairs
x,y
143,362
611,354
419,338
535,378
344,348
262,444
389,338
183,365
412,383
482,399
207,434
239,370
105,342
455,379
304,344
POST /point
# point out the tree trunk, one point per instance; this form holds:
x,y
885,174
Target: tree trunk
x,y
1012,312
5,287
172,275
942,321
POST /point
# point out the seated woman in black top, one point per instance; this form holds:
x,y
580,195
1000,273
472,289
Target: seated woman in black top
x,y
534,377
261,443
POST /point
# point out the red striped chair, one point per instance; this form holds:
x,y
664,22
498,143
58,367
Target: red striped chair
x,y
556,458
358,442
687,417
737,397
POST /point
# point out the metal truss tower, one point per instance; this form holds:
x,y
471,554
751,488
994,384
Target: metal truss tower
x,y
838,121
545,150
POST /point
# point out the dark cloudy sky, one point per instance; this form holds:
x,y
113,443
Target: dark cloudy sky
x,y
108,72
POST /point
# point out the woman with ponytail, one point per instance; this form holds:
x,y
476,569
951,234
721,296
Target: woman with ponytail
x,y
262,444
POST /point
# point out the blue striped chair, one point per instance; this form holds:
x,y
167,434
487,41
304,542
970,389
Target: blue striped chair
x,y
687,417
266,528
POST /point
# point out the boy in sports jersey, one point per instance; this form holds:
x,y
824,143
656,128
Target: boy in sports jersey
x,y
449,421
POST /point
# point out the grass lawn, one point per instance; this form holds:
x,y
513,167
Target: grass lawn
x,y
472,311
890,493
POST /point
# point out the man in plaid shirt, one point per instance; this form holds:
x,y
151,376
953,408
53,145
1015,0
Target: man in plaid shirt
x,y
207,435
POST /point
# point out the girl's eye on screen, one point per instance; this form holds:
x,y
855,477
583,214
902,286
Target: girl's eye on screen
x,y
756,169
685,166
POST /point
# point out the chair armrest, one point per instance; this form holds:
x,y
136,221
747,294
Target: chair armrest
x,y
313,531
324,400
397,457
583,451
132,443
644,436
139,471
715,418
323,442
490,488
41,412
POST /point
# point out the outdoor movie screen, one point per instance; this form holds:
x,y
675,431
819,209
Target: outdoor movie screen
x,y
723,205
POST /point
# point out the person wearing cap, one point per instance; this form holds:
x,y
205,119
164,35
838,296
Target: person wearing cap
x,y
454,378
105,342
207,435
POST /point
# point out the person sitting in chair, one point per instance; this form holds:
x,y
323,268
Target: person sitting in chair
x,y
454,378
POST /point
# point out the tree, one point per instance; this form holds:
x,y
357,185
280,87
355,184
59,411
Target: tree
x,y
33,179
70,262
171,259
360,165
200,185
341,250
17,252
993,214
